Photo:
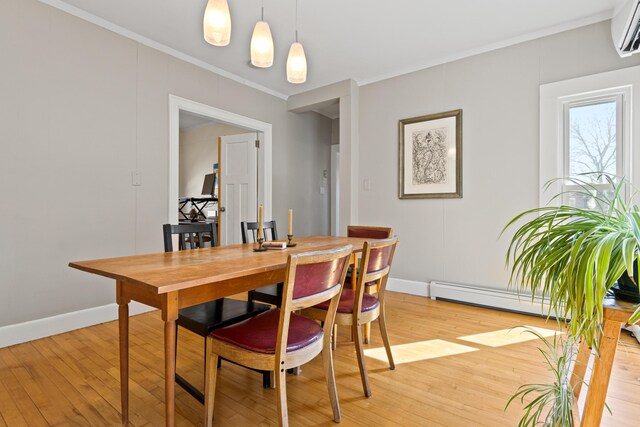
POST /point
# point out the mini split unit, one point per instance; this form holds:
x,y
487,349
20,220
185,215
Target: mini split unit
x,y
625,29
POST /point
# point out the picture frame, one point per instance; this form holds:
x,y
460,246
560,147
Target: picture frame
x,y
430,156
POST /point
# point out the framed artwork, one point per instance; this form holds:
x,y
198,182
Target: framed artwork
x,y
430,156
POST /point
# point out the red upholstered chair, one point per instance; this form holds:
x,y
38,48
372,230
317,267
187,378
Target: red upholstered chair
x,y
368,232
279,338
357,307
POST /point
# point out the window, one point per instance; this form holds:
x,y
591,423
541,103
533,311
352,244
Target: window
x,y
585,127
593,144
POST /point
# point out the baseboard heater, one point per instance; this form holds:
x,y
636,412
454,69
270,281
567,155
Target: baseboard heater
x,y
487,297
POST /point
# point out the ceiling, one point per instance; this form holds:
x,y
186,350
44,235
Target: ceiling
x,y
364,40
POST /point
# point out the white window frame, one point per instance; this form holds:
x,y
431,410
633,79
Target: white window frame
x,y
555,100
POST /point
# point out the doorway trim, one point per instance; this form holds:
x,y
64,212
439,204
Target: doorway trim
x,y
176,104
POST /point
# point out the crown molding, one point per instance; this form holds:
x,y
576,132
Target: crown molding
x,y
487,48
84,15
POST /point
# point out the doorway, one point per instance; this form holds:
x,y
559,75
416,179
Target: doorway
x,y
263,160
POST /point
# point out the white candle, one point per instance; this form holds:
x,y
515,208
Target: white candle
x,y
260,226
290,232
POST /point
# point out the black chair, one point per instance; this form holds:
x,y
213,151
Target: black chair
x,y
271,294
204,318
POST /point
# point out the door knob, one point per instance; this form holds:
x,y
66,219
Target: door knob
x,y
223,209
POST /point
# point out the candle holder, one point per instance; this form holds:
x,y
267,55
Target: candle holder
x,y
260,248
289,244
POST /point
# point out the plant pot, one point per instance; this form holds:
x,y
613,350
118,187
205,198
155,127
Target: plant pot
x,y
627,289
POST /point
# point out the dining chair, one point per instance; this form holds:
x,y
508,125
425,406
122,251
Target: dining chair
x,y
279,338
203,318
271,294
357,307
368,232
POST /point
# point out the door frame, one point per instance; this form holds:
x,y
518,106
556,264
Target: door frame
x,y
176,104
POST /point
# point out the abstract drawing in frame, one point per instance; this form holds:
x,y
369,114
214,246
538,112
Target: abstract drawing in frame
x,y
430,156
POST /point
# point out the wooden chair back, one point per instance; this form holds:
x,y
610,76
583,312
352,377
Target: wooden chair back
x,y
375,265
190,236
369,232
249,231
312,278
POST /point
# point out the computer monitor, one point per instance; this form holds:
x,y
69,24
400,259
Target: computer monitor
x,y
209,185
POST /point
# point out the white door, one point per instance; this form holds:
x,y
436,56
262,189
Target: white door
x,y
239,185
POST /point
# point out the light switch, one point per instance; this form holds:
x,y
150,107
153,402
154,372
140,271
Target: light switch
x,y
366,184
136,181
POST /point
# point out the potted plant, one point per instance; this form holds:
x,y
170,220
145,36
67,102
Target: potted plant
x,y
573,256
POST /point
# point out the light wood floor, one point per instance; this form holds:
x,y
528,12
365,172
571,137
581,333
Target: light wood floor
x,y
72,379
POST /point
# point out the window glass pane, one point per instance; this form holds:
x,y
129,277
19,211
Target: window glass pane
x,y
592,140
588,200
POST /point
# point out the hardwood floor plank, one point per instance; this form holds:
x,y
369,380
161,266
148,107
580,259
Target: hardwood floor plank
x,y
80,369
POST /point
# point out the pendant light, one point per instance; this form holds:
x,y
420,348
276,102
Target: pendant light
x,y
262,44
217,23
296,61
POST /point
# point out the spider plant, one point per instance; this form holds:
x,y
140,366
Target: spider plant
x,y
552,402
573,256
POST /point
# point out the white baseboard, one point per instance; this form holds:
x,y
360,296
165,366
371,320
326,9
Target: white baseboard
x,y
40,328
408,287
493,298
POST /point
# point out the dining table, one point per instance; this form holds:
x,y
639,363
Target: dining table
x,y
170,281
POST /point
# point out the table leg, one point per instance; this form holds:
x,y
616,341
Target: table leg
x,y
123,331
599,384
169,370
580,368
169,315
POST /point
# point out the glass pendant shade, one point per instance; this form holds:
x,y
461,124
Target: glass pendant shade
x,y
296,64
217,23
262,45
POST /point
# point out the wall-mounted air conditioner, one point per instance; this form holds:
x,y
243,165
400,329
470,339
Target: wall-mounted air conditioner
x,y
625,28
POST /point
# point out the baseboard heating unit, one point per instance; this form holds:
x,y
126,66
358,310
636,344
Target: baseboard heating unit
x,y
487,297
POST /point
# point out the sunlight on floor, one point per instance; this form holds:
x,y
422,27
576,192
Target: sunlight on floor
x,y
423,350
507,336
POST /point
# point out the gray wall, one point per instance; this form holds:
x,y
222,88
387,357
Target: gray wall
x,y
457,240
81,109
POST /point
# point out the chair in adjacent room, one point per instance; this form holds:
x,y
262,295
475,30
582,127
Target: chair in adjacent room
x,y
281,339
271,294
358,307
203,318
368,232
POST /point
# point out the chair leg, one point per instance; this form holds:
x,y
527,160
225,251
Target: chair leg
x,y
334,338
266,379
329,373
367,333
385,337
357,332
211,373
281,397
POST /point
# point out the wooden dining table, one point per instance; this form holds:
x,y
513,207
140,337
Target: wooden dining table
x,y
174,280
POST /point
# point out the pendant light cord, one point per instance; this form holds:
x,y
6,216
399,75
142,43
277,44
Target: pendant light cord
x,y
262,10
296,21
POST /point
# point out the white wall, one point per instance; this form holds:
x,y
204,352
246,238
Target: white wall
x,y
457,240
198,153
81,109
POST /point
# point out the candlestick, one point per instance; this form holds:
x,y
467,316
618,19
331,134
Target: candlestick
x,y
290,222
260,247
260,226
289,243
